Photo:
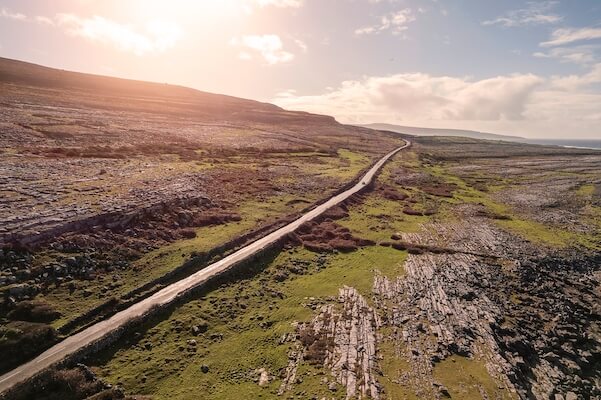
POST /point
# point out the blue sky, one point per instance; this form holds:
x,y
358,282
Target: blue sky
x,y
515,67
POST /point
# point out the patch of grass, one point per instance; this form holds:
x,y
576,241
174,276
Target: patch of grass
x,y
393,366
378,218
586,190
346,166
467,379
533,231
245,345
156,263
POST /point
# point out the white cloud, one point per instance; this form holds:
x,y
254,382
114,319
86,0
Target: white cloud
x,y
279,3
5,13
577,55
578,82
536,13
158,36
44,20
395,22
421,96
570,35
302,45
270,47
521,104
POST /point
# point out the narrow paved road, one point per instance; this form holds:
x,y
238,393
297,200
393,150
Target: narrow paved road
x,y
169,293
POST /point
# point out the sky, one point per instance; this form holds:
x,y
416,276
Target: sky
x,y
526,68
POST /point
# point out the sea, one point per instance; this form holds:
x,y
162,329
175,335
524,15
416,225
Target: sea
x,y
578,143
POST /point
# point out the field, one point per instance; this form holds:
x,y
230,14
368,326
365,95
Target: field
x,y
469,270
101,205
450,303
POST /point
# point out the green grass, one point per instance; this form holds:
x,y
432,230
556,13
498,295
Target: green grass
x,y
528,229
393,366
345,167
377,218
464,378
245,345
157,263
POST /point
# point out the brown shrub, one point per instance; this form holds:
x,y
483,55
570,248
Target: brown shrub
x,y
336,212
343,244
399,246
392,194
316,346
74,383
440,190
317,247
187,233
410,211
34,311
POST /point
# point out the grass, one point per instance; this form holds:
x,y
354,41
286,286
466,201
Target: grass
x,y
586,190
377,218
393,366
156,263
467,378
345,167
245,346
528,229
237,312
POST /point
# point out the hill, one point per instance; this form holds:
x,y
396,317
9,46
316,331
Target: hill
x,y
410,130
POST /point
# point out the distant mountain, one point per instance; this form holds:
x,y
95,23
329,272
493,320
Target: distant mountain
x,y
410,130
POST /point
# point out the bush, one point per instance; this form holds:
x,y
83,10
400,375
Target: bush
x,y
34,311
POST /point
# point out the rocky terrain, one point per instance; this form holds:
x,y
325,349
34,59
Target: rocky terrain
x,y
108,186
470,270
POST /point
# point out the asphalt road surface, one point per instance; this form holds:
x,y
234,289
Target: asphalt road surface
x,y
97,331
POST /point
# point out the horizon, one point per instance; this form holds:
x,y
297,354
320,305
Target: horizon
x,y
538,73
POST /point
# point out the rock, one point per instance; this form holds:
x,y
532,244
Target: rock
x,y
204,368
21,290
571,396
263,377
333,387
444,392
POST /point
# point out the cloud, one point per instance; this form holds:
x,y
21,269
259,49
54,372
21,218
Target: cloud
x,y
536,13
5,13
421,96
270,47
570,35
578,55
395,22
302,45
518,104
158,36
279,3
44,20
578,82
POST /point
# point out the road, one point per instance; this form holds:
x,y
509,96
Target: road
x,y
166,295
